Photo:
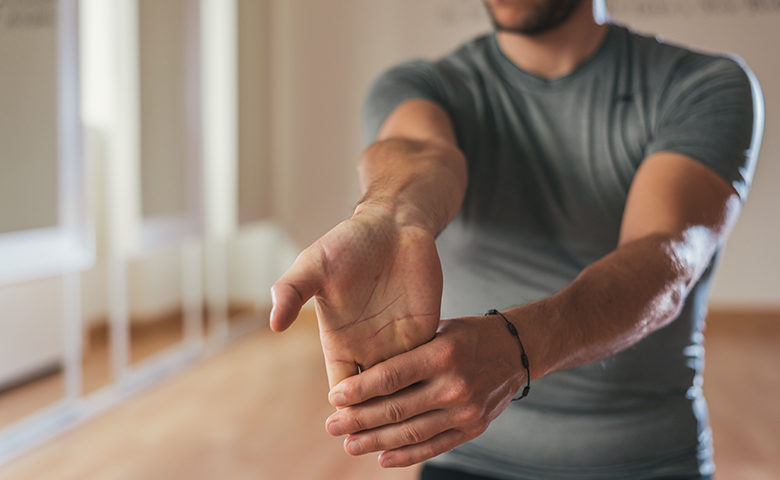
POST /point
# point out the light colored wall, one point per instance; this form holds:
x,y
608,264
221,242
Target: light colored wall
x,y
28,102
30,327
255,168
162,57
325,55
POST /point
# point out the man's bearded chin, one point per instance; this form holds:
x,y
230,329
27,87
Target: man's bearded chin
x,y
544,17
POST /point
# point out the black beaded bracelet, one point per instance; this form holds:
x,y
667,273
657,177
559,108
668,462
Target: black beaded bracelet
x,y
510,326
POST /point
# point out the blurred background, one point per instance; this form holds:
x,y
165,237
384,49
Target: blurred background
x,y
163,162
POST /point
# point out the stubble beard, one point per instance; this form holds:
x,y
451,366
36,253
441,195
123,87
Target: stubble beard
x,y
544,17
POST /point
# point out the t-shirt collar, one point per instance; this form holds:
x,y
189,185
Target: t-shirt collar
x,y
526,79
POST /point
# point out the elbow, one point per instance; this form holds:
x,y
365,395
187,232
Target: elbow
x,y
689,253
668,306
686,256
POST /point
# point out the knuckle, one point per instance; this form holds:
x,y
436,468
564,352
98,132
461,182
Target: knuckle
x,y
444,355
390,379
470,415
358,423
457,391
372,443
444,396
449,395
411,435
393,411
431,450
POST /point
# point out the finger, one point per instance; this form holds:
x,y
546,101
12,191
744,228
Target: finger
x,y
410,432
412,454
407,403
384,378
338,370
301,282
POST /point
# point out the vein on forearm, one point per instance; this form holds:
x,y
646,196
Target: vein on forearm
x,y
620,299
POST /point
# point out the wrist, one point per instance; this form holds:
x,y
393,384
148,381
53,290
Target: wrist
x,y
536,326
524,367
401,215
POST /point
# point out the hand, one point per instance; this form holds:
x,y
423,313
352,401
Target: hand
x,y
427,401
377,286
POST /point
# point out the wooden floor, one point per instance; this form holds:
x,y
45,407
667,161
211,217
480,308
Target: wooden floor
x,y
145,341
147,338
742,386
257,409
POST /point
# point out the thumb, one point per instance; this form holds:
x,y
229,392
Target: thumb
x,y
301,282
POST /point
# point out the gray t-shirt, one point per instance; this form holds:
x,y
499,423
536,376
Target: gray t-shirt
x,y
550,164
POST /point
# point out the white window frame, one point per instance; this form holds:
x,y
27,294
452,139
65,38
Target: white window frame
x,y
69,245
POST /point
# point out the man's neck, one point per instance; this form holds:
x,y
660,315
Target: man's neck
x,y
560,51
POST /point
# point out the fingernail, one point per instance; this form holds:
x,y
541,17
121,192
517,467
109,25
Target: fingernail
x,y
334,427
337,399
385,461
354,447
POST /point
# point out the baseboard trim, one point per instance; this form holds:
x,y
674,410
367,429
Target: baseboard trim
x,y
97,329
751,322
746,314
31,376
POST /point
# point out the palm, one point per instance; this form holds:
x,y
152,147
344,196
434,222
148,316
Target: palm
x,y
377,289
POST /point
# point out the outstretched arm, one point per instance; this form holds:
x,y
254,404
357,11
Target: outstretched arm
x,y
441,394
376,277
677,214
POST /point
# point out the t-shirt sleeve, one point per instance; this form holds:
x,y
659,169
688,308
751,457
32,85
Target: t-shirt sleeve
x,y
712,111
417,79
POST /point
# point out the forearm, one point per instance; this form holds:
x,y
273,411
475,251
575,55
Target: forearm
x,y
420,182
470,371
615,302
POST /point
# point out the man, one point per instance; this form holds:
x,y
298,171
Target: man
x,y
580,178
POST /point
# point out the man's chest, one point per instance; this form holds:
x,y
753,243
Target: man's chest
x,y
560,163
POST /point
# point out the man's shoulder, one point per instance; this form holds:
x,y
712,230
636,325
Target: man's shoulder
x,y
469,53
669,61
469,60
454,74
